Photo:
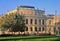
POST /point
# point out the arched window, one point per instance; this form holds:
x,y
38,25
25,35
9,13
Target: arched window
x,y
31,29
26,29
42,28
35,28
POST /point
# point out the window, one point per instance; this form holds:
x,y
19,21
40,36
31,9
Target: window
x,y
26,28
31,28
42,22
35,21
39,21
39,28
26,21
42,28
31,21
35,28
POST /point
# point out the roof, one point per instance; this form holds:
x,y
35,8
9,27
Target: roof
x,y
27,6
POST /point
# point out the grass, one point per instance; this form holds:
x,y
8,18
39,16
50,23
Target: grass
x,y
30,38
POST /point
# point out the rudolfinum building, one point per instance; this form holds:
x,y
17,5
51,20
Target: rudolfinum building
x,y
37,21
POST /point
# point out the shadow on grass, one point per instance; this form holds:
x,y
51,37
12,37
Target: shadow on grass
x,y
56,39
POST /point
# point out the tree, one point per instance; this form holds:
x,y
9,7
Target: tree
x,y
13,22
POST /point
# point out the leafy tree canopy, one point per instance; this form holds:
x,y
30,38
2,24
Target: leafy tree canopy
x,y
12,22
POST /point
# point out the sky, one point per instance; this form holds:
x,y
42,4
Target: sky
x,y
50,6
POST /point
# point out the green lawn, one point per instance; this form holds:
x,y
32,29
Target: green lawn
x,y
30,38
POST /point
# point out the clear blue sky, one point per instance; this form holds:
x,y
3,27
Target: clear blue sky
x,y
49,5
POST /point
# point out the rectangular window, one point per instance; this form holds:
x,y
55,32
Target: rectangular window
x,y
26,21
35,21
39,21
31,21
42,22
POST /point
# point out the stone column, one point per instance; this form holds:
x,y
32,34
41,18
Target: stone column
x,y
33,28
28,29
41,28
37,29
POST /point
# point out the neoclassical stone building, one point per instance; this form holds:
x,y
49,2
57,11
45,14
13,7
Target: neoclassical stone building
x,y
37,21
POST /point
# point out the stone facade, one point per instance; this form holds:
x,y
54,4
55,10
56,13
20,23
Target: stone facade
x,y
36,20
